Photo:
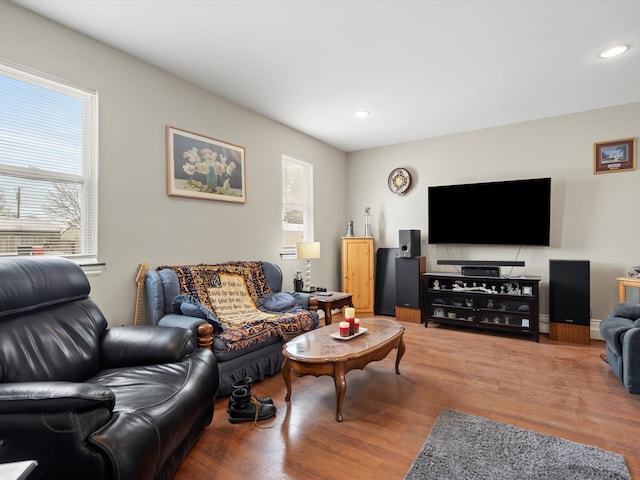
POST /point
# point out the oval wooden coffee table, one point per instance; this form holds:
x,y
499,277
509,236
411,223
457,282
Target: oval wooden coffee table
x,y
318,353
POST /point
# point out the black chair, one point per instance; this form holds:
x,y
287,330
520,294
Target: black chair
x,y
85,400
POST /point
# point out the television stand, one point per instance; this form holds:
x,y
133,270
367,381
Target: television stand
x,y
507,304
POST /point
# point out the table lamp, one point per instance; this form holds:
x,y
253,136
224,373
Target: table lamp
x,y
307,251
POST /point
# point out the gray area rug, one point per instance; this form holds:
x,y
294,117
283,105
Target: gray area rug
x,y
462,446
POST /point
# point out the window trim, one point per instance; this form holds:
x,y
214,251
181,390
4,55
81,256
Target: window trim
x,y
89,148
289,252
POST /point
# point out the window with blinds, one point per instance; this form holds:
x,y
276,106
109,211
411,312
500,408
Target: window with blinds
x,y
48,165
297,204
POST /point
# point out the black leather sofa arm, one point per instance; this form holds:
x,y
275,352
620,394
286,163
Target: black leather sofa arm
x,y
144,345
51,397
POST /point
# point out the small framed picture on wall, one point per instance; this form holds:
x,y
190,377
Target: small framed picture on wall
x,y
614,156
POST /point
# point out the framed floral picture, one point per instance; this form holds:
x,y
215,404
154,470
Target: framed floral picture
x,y
614,156
203,167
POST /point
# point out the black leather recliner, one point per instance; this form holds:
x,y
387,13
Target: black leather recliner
x,y
87,401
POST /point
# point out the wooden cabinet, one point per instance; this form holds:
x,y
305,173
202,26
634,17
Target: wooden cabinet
x,y
358,272
492,303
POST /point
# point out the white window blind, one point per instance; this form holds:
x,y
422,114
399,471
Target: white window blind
x,y
297,204
48,165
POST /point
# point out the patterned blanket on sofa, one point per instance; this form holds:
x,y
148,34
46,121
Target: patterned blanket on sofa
x,y
232,291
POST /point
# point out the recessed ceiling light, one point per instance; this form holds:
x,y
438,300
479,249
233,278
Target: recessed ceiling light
x,y
613,51
362,114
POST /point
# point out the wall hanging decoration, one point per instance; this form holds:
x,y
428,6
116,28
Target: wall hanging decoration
x,y
614,156
203,167
399,181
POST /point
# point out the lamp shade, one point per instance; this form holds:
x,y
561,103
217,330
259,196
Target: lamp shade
x,y
308,250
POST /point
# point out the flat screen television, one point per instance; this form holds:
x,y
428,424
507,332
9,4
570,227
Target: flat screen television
x,y
515,212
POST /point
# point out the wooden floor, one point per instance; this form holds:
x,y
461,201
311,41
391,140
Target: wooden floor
x,y
553,388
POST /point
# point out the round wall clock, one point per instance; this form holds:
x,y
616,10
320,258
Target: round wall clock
x,y
399,181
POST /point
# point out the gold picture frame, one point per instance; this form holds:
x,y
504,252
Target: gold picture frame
x,y
614,156
204,167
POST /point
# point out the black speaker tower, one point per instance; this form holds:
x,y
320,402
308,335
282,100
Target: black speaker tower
x,y
408,276
385,298
569,300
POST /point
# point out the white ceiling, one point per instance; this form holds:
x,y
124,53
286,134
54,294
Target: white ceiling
x,y
423,68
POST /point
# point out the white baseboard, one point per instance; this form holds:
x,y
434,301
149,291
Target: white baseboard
x,y
595,329
543,323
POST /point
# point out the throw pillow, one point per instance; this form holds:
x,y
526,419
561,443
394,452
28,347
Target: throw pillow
x,y
191,307
278,302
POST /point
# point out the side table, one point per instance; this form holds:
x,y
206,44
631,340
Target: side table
x,y
336,300
623,283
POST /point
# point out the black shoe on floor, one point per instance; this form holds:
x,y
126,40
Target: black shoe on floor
x,y
244,407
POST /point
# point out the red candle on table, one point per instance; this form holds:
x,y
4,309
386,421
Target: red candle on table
x,y
349,316
356,325
344,329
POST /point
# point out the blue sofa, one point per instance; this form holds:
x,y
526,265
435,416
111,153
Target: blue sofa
x,y
162,288
621,332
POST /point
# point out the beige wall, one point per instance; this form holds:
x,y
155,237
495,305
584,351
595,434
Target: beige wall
x,y
594,217
138,222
